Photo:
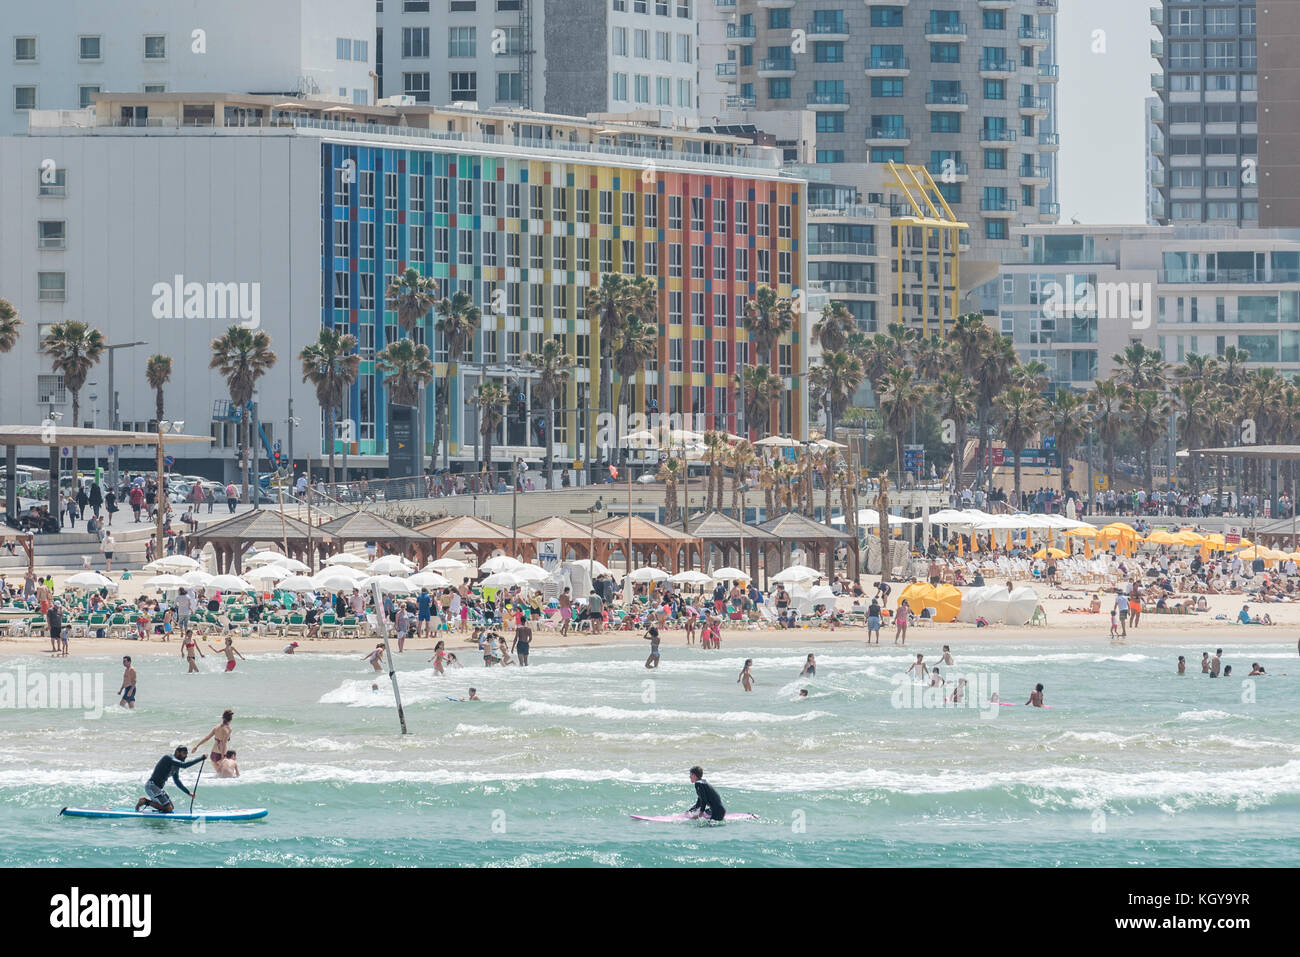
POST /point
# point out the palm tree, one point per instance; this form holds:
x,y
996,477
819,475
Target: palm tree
x,y
411,296
837,379
491,400
9,323
1147,411
886,544
956,397
610,304
715,452
834,327
1066,414
997,359
638,344
1141,368
331,364
243,356
767,318
671,471
74,348
899,401
759,390
741,459
1107,402
1022,414
406,367
458,320
554,369
158,372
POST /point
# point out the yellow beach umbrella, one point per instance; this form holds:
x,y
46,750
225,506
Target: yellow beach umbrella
x,y
1188,537
1010,544
1029,539
1084,531
947,603
1049,553
1161,537
1087,548
1215,540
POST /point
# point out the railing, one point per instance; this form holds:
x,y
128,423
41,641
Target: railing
x,y
888,63
1033,172
856,210
1157,15
741,31
735,102
934,28
946,99
1051,70
1049,209
1049,139
828,29
1157,81
1035,34
853,287
828,99
1240,276
999,205
775,63
1035,103
997,136
841,249
1158,49
890,133
999,66
727,68
942,169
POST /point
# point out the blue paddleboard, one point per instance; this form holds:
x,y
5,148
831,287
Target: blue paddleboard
x,y
247,814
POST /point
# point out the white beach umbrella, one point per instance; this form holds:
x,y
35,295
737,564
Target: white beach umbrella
x,y
502,563
296,583
531,573
335,579
503,580
266,574
89,580
197,578
591,566
648,573
388,584
270,556
293,565
796,573
347,559
692,577
164,581
778,442
173,563
229,583
428,580
445,565
729,572
391,565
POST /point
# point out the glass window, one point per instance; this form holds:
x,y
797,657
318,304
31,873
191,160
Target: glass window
x,y
155,47
88,48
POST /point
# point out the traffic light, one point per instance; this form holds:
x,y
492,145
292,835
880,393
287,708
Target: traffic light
x,y
521,406
539,426
652,406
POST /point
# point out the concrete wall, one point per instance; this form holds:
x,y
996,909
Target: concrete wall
x,y
1279,115
577,66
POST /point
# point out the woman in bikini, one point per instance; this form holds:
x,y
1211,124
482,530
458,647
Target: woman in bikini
x,y
188,647
220,737
439,657
746,679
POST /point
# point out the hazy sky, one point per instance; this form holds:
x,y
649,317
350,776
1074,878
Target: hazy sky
x,y
1100,97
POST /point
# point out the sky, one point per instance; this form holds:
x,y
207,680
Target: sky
x,y
1105,80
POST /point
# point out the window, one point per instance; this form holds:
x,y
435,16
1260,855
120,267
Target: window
x,y
641,88
764,220
629,209
25,49
606,207
50,390
24,98
827,52
88,48
155,47
720,263
674,259
830,122
513,200
995,89
675,309
514,251
885,86
510,47
536,256
697,308
697,355
674,354
415,6
650,211
464,87
684,42
651,259
783,223
605,250
52,286
742,218
719,215
663,91
945,122
995,229
995,159
619,81
831,156
58,185
51,234
945,52
663,46
509,88
674,212
684,9
367,231
684,97
742,265
462,41
880,154
995,20
641,44
620,41
416,85
764,265
415,41
778,89
697,214
84,94
886,16
697,261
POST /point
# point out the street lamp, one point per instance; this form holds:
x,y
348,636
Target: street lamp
x,y
160,499
593,510
113,421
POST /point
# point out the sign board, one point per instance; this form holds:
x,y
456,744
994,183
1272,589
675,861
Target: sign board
x,y
169,461
1232,534
548,554
1102,482
65,451
914,459
404,456
112,450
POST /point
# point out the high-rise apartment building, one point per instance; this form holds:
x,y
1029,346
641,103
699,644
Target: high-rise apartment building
x,y
569,57
1279,115
59,55
1209,151
966,89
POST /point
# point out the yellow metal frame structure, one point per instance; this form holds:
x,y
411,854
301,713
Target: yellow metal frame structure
x,y
930,211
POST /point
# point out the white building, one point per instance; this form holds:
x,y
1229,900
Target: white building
x,y
1081,294
59,54
574,57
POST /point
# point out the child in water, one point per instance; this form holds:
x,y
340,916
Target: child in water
x,y
746,678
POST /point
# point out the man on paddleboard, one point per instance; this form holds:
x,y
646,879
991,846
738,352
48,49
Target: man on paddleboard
x,y
709,804
169,765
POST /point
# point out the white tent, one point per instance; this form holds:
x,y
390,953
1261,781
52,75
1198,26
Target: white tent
x,y
995,603
1024,602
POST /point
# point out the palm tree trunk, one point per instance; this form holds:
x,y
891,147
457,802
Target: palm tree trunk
x,y
959,453
158,403
605,376
1147,475
247,424
329,437
1015,471
550,444
898,453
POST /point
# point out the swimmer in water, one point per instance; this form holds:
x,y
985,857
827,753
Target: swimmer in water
x,y
1227,671
1256,669
652,636
1182,665
946,657
376,657
229,767
220,737
1036,696
809,668
746,678
919,666
935,680
229,650
803,693
1205,662
958,691
439,657
473,695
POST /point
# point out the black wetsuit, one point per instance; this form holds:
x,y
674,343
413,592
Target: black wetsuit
x,y
708,802
170,766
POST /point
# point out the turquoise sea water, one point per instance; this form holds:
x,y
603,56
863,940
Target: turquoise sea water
x,y
1133,766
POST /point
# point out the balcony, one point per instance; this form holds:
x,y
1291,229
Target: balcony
x,y
1158,82
995,138
1048,6
1048,73
776,66
1157,177
1035,175
887,3
735,102
1157,16
828,101
1034,36
945,32
776,4
887,66
956,102
828,31
842,287
957,172
725,69
725,4
741,33
996,4
1049,212
998,69
843,250
1157,113
1049,142
846,210
1035,104
889,136
999,207
1158,49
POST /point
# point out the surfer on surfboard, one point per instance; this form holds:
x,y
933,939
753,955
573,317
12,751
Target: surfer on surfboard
x,y
708,803
169,765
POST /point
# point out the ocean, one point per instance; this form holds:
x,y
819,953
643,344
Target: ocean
x,y
1133,766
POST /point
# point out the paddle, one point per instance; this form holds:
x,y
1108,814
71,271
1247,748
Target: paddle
x,y
196,782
